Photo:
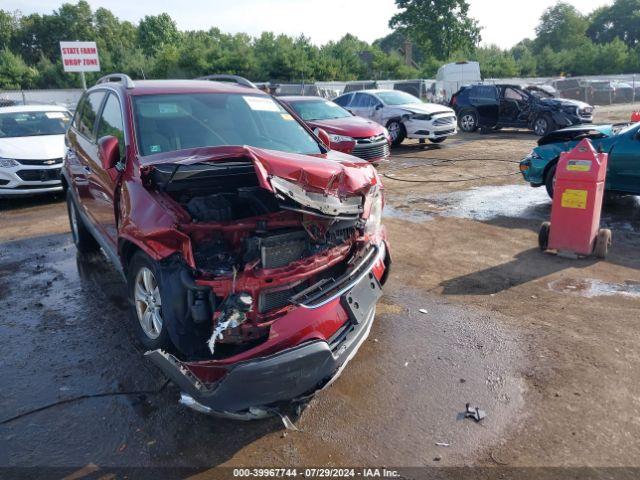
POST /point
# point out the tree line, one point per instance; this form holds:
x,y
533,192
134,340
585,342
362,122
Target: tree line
x,y
567,42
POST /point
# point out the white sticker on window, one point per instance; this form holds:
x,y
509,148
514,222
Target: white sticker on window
x,y
167,108
264,104
54,114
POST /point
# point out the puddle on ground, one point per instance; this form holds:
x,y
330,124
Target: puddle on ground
x,y
487,203
510,201
407,213
589,288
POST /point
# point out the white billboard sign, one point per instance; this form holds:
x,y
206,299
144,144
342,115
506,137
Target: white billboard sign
x,y
80,56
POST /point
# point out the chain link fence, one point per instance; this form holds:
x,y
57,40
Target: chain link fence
x,y
596,90
66,97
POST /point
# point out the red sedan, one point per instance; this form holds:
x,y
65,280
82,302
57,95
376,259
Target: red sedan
x,y
253,255
348,133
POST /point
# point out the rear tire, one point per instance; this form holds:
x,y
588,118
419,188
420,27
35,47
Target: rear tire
x,y
543,236
397,131
550,180
603,242
82,238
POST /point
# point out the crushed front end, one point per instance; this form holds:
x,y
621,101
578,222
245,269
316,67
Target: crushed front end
x,y
277,276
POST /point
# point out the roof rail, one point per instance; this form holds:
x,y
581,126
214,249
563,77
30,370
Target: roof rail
x,y
117,77
229,78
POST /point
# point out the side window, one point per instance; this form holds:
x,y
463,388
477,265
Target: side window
x,y
513,94
486,93
88,113
360,100
78,112
111,122
369,101
343,101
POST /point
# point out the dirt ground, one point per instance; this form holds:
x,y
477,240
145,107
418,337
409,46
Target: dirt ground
x,y
547,346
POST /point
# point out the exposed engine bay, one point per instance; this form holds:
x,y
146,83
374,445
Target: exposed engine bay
x,y
255,251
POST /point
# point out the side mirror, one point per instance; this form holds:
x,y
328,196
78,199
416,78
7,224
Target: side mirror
x,y
324,137
109,152
379,106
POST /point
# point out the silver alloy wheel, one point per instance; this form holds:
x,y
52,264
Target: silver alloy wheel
x,y
540,126
73,216
148,303
394,130
468,122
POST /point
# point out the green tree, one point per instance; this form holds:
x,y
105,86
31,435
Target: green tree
x,y
561,27
621,20
496,63
40,34
14,72
157,31
437,26
525,58
8,27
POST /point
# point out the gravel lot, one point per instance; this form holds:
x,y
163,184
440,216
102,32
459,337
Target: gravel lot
x,y
547,346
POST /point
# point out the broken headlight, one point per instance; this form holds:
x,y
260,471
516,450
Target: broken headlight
x,y
533,155
375,214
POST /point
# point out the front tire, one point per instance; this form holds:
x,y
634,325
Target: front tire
x,y
82,238
397,131
543,125
468,121
144,289
550,180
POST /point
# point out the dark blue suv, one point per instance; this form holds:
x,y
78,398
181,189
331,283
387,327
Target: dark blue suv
x,y
491,107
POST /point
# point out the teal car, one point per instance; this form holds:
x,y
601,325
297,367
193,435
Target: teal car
x,y
621,142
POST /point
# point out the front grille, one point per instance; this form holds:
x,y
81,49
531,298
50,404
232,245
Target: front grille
x,y
275,299
445,132
39,175
50,161
331,284
370,151
444,121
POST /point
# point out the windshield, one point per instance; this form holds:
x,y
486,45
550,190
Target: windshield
x,y
319,110
165,123
397,98
32,124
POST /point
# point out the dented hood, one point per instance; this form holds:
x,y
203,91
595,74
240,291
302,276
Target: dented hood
x,y
330,173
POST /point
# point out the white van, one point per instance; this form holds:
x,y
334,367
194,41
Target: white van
x,y
452,76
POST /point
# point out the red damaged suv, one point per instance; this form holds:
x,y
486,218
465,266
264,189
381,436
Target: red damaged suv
x,y
348,133
254,256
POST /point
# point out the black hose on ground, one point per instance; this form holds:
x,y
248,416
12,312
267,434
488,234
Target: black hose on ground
x,y
83,397
441,162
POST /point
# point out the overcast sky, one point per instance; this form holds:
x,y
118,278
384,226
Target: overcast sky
x,y
504,22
